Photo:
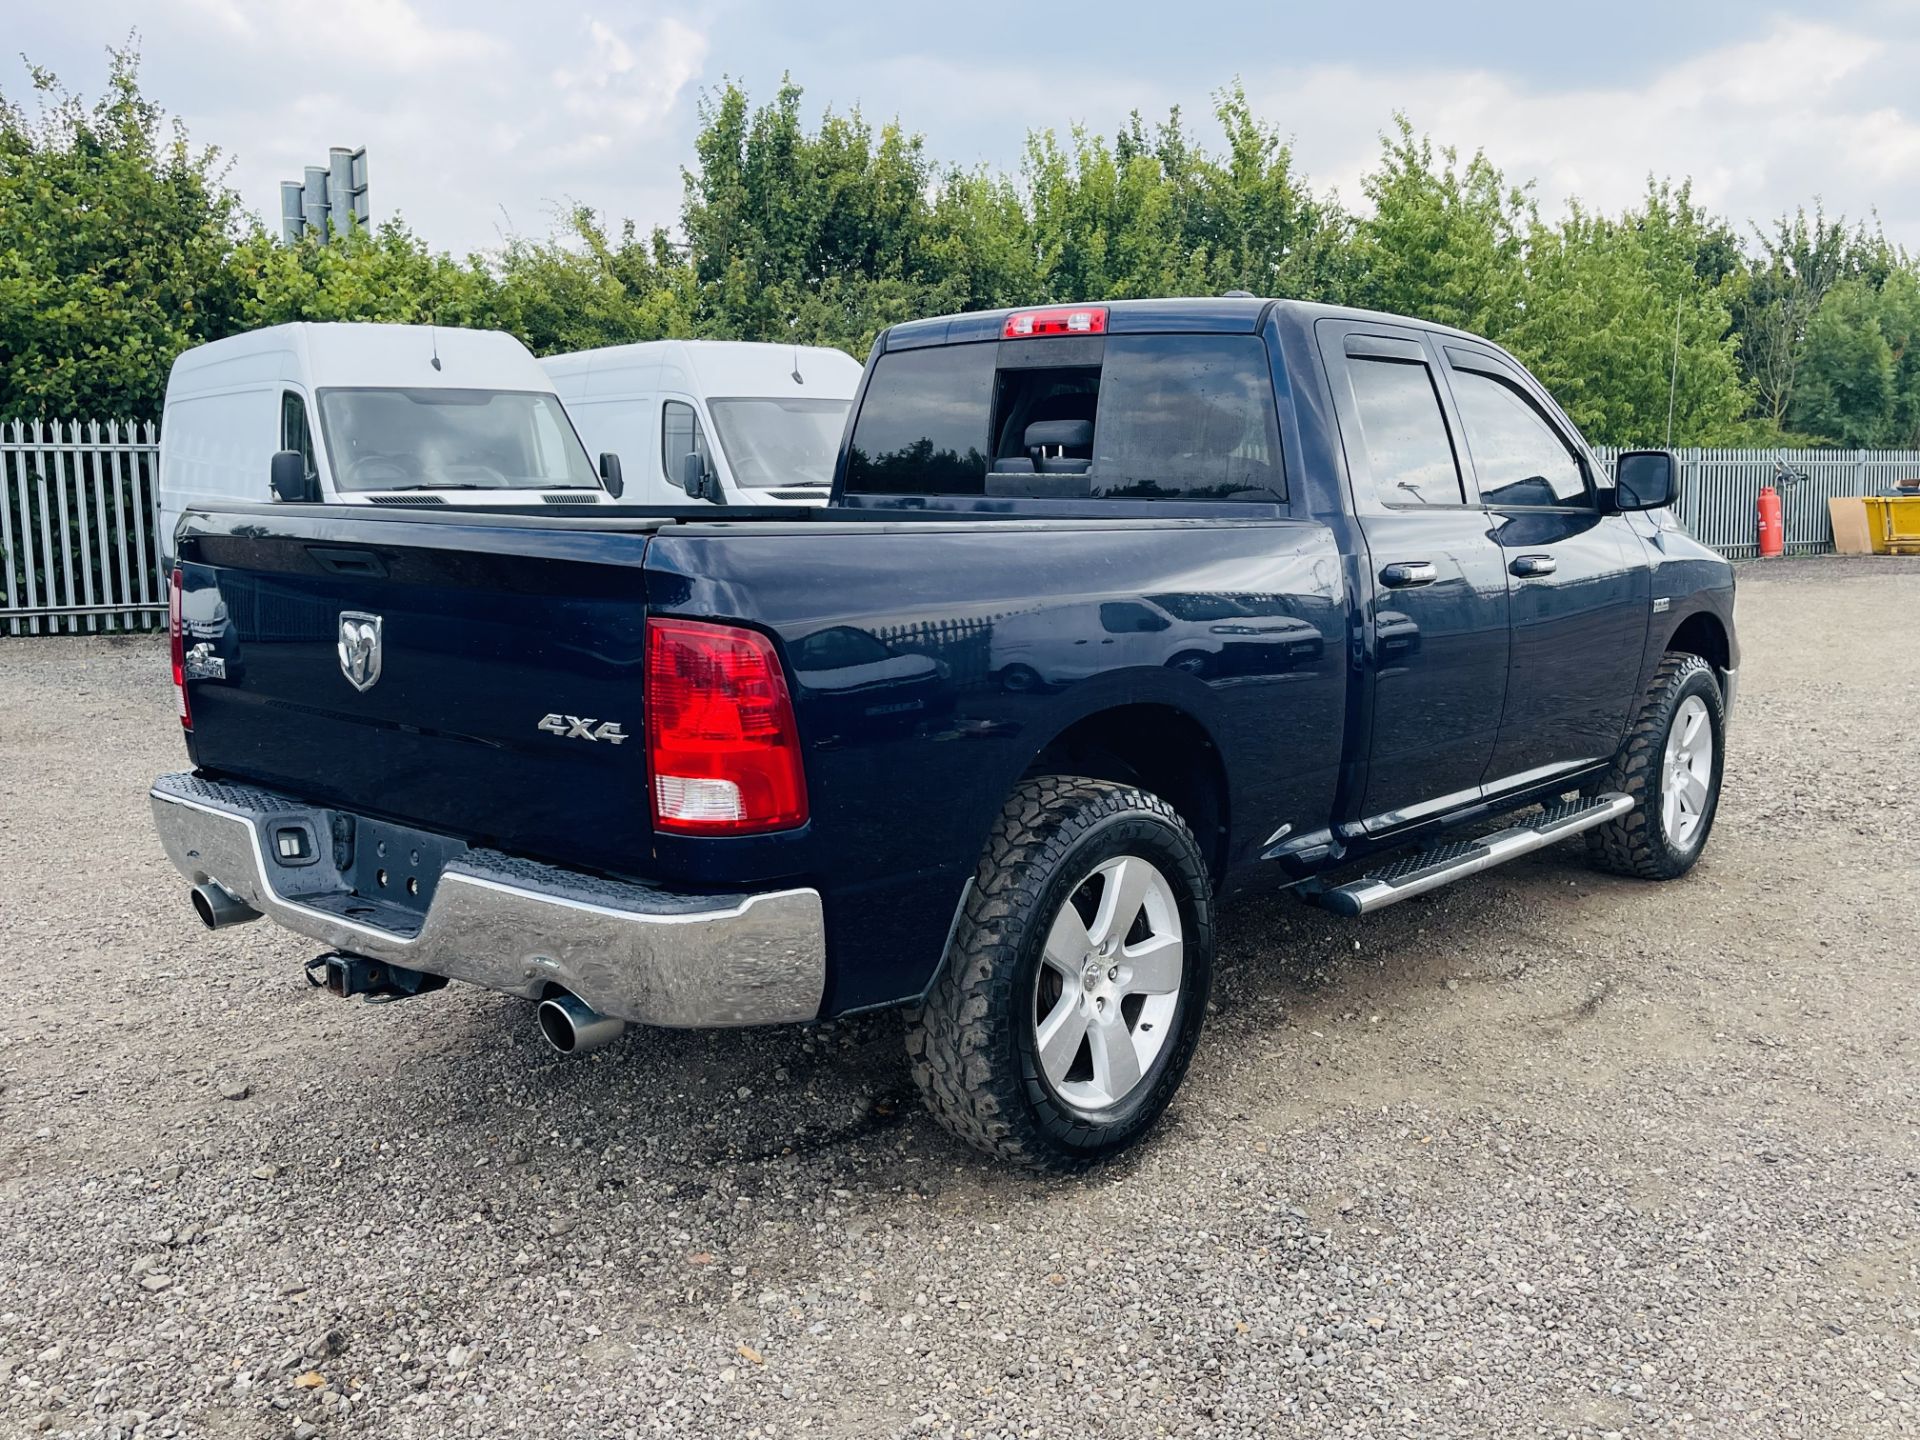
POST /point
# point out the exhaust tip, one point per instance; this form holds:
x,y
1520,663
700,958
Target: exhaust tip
x,y
574,1027
556,1026
219,907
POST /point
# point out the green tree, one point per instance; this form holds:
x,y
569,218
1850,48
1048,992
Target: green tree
x,y
115,245
978,251
1626,327
120,245
1107,225
385,274
1860,377
1802,259
1445,242
811,237
1155,213
1271,234
583,288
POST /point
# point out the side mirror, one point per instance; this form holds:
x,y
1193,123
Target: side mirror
x,y
693,475
610,474
287,477
1645,480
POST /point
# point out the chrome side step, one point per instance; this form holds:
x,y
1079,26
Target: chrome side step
x,y
1457,859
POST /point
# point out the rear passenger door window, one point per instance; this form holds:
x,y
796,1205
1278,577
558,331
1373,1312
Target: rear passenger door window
x,y
1521,459
1403,432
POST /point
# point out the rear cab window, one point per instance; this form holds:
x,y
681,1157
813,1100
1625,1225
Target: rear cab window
x,y
1186,417
923,425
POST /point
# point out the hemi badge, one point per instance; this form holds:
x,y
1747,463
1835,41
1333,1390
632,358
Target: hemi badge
x,y
1662,605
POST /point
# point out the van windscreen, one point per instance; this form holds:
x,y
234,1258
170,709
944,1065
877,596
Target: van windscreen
x,y
770,441
402,439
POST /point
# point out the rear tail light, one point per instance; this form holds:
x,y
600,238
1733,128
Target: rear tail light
x,y
1056,320
177,643
722,747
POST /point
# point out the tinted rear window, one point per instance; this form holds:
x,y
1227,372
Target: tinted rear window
x,y
923,427
1187,416
1175,416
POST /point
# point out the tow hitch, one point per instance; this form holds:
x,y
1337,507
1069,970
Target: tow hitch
x,y
349,975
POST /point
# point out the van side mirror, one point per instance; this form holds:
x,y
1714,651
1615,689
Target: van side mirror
x,y
610,474
693,475
287,477
1645,480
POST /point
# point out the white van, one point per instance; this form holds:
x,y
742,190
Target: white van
x,y
764,420
377,414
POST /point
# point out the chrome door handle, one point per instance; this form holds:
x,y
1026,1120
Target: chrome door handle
x,y
1405,574
1527,566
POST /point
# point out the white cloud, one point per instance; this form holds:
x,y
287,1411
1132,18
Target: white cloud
x,y
1804,109
470,133
480,114
619,91
1760,126
377,34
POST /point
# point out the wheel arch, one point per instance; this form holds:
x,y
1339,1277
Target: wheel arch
x,y
1158,746
1703,633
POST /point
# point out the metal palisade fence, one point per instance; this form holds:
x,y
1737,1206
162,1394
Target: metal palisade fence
x,y
79,503
78,547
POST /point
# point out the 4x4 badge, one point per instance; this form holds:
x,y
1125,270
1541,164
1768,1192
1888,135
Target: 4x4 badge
x,y
360,648
572,727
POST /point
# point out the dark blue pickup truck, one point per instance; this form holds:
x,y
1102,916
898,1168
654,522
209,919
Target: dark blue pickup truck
x,y
1117,609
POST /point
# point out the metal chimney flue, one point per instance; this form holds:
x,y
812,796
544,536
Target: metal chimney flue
x,y
329,201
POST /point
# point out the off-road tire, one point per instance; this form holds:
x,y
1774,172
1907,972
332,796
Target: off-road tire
x,y
971,1043
1636,843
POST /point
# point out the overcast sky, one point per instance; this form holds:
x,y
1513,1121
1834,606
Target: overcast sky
x,y
484,116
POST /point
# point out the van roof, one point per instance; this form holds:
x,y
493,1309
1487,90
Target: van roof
x,y
358,354
710,367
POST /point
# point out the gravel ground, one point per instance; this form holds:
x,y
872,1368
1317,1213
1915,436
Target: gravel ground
x,y
1543,1154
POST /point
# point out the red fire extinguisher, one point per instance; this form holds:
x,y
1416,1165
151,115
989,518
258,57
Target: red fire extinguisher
x,y
1773,531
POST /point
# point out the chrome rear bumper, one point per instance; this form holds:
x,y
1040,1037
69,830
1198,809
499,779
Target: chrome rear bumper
x,y
637,952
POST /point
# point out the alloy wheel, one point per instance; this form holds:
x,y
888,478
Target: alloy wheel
x,y
1686,776
1108,984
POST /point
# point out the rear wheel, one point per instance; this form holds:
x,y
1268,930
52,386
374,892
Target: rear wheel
x,y
1020,679
1074,992
1671,764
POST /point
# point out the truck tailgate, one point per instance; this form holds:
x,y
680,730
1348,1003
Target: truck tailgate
x,y
404,668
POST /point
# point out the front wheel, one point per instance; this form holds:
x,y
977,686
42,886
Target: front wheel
x,y
1074,991
1671,764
